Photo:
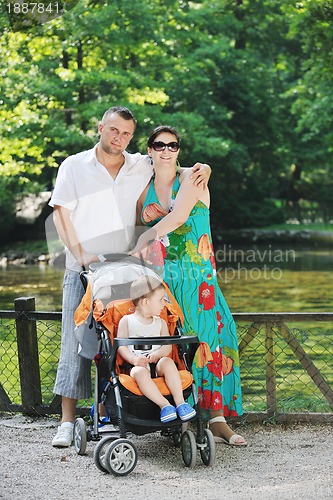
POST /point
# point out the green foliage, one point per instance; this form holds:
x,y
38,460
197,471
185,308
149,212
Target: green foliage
x,y
248,206
7,205
247,83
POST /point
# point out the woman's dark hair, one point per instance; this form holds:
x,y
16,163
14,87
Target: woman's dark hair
x,y
158,130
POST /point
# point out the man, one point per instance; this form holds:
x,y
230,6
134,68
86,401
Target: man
x,y
94,203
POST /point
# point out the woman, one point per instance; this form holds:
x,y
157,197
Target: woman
x,y
180,239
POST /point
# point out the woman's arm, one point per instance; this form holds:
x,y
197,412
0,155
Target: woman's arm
x,y
186,198
199,174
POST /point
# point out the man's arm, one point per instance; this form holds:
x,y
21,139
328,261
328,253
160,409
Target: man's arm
x,y
67,234
201,174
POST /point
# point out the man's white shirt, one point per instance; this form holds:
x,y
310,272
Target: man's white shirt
x,y
103,209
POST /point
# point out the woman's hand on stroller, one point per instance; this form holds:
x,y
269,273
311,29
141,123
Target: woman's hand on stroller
x,y
142,245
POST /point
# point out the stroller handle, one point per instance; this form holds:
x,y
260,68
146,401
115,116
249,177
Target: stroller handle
x,y
109,259
119,257
181,340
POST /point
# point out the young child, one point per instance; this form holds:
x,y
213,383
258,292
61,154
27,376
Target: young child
x,y
147,294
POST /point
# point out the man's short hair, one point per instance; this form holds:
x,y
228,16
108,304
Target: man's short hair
x,y
125,113
143,287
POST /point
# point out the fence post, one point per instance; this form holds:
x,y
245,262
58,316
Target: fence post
x,y
27,346
270,370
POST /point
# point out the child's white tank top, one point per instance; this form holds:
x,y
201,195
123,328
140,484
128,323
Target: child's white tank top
x,y
138,329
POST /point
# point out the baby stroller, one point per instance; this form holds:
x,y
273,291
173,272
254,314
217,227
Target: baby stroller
x,y
106,300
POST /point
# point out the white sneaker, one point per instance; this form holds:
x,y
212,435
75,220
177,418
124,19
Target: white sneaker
x,y
64,436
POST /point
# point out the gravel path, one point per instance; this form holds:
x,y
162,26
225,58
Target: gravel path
x,y
280,463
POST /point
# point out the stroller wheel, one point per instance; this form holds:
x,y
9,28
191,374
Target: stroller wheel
x,y
121,457
178,432
208,451
177,438
80,436
189,448
99,453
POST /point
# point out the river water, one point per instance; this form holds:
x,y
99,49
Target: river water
x,y
253,279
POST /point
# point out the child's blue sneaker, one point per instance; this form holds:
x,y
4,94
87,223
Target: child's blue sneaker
x,y
102,421
185,411
168,413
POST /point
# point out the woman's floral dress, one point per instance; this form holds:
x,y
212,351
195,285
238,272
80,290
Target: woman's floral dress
x,y
189,270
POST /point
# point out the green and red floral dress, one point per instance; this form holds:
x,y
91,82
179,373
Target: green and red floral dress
x,y
190,271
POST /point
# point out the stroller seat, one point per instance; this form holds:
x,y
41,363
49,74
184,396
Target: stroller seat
x,y
129,383
114,312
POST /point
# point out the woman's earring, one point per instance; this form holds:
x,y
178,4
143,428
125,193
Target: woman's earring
x,y
151,160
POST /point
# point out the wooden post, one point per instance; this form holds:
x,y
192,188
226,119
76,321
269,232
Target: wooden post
x,y
27,345
270,371
248,337
4,399
307,364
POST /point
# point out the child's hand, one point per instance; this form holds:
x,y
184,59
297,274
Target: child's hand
x,y
141,361
153,357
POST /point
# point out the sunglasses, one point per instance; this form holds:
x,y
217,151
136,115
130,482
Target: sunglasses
x,y
160,146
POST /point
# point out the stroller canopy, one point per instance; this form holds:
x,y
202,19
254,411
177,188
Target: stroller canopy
x,y
109,283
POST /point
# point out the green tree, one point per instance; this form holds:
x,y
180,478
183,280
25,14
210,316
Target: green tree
x,y
310,97
246,82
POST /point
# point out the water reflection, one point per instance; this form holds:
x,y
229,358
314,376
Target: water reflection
x,y
270,279
282,257
40,281
253,279
310,260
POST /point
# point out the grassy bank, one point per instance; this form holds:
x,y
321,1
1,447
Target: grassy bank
x,y
28,247
298,227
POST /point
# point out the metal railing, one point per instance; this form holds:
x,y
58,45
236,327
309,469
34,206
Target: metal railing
x,y
286,362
